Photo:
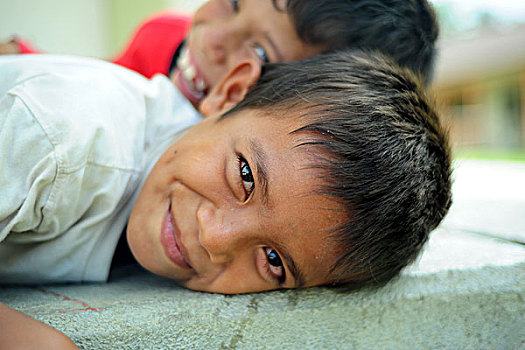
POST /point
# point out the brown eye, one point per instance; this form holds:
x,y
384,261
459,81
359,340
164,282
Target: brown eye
x,y
275,265
261,53
235,5
248,183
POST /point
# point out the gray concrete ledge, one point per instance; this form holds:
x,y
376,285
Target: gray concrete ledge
x,y
468,307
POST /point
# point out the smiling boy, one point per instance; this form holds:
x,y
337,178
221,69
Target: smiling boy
x,y
235,200
225,33
330,171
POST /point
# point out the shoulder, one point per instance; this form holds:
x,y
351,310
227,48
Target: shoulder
x,y
61,77
68,128
23,140
62,90
90,110
67,72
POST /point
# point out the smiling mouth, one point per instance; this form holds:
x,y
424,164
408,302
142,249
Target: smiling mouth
x,y
170,243
188,78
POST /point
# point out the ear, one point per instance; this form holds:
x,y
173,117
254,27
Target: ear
x,y
231,89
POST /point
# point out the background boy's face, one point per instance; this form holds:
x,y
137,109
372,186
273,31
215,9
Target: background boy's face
x,y
231,208
227,32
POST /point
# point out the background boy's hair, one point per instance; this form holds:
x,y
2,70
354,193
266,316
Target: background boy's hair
x,y
381,149
405,30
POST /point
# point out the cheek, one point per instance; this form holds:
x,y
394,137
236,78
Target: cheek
x,y
200,168
162,175
142,232
236,279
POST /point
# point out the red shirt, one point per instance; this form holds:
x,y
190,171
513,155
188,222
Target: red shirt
x,y
153,45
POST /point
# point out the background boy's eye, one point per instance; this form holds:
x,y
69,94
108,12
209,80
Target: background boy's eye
x,y
247,177
275,265
235,5
261,53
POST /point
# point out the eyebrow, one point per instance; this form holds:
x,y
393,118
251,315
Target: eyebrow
x,y
260,157
262,176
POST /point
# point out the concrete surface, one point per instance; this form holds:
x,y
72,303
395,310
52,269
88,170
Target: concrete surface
x,y
466,292
489,198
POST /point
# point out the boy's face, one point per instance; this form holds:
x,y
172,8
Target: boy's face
x,y
231,208
227,32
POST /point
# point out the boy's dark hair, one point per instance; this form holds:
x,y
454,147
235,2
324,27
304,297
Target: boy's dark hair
x,y
405,30
383,154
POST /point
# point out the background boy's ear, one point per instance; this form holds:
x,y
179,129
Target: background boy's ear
x,y
231,89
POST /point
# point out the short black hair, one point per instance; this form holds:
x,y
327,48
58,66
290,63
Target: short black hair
x,y
405,30
383,154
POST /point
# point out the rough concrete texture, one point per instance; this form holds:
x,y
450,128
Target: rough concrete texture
x,y
466,292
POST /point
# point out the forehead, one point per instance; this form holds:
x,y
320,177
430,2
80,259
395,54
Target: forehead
x,y
303,222
300,216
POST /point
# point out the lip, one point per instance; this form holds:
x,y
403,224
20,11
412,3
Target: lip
x,y
172,246
188,88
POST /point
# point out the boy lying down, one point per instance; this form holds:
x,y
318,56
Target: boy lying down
x,y
330,171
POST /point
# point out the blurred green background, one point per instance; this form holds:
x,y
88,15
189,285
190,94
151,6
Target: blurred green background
x,y
480,76
480,71
97,28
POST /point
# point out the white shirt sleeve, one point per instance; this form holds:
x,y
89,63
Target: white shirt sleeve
x,y
28,165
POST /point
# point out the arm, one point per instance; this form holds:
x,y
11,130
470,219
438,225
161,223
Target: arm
x,y
9,48
20,331
26,183
17,46
26,180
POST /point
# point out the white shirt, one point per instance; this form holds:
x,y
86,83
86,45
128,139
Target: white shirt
x,y
77,138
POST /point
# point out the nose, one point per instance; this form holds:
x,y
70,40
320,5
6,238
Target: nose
x,y
215,43
223,40
219,234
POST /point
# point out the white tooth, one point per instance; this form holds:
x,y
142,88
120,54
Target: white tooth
x,y
182,63
184,59
179,62
200,85
189,73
